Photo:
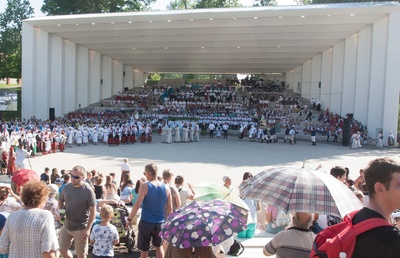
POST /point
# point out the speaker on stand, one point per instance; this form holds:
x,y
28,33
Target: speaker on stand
x,y
346,132
52,115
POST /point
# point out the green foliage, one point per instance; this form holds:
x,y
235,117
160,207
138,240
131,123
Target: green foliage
x,y
216,4
306,2
10,37
181,5
265,3
154,76
59,7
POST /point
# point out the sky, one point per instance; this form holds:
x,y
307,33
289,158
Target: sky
x,y
159,5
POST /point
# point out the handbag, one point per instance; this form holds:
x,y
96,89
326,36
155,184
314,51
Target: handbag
x,y
236,248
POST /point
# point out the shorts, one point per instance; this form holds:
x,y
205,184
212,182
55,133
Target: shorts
x,y
149,232
81,245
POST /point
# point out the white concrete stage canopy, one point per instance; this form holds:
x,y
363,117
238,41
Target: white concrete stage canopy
x,y
234,40
346,55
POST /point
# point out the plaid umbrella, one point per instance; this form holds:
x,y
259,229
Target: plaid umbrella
x,y
201,224
303,190
207,191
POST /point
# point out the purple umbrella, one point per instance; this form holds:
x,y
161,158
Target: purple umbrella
x,y
202,224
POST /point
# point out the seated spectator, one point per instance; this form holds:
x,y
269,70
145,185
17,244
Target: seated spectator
x,y
126,192
277,220
296,241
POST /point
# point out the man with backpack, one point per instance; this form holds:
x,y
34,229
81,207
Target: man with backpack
x,y
367,233
382,178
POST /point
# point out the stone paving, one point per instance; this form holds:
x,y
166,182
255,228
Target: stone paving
x,y
211,159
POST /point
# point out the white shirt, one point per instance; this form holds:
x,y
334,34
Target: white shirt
x,y
125,167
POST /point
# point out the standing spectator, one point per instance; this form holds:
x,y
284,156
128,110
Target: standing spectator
x,y
176,199
211,127
67,180
4,162
20,155
104,235
98,187
313,135
287,137
30,232
45,177
380,140
227,181
184,193
292,134
225,128
251,203
382,178
78,200
154,195
52,205
88,179
54,175
125,169
309,115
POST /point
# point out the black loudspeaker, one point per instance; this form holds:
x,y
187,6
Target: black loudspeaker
x,y
319,85
52,115
346,132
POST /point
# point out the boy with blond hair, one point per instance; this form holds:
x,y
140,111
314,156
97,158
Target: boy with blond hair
x,y
104,235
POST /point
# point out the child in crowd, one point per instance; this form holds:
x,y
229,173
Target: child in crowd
x,y
104,235
3,219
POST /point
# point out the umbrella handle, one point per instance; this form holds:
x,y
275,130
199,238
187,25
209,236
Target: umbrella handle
x,y
228,194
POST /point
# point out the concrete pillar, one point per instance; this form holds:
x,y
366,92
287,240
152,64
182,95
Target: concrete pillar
x,y
326,79
337,78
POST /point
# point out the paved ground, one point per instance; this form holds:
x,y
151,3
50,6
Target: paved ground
x,y
211,159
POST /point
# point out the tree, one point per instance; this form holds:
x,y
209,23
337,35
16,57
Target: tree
x,y
10,37
216,4
181,5
60,7
305,2
265,3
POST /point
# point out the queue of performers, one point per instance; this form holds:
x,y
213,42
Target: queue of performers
x,y
179,131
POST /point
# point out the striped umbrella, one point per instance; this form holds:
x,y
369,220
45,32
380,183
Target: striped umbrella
x,y
301,189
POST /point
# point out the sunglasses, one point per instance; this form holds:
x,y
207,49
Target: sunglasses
x,y
75,177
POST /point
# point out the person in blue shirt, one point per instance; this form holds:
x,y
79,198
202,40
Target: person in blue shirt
x,y
153,196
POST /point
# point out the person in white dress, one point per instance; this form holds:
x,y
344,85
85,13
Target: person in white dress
x,y
185,134
379,143
168,138
177,137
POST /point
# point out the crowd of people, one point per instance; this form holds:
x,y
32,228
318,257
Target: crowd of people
x,y
179,115
44,219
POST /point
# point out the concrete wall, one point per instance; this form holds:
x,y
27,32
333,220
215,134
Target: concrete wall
x,y
59,74
359,75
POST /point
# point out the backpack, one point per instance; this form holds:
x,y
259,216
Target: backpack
x,y
341,237
236,248
282,219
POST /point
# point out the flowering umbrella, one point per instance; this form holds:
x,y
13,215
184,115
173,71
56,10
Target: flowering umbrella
x,y
201,224
22,176
302,190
